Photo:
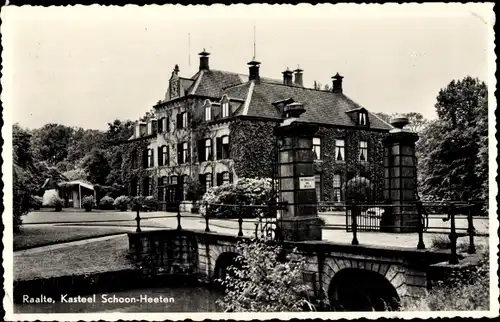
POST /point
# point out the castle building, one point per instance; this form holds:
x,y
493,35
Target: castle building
x,y
217,126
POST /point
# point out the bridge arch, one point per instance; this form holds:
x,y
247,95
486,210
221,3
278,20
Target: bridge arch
x,y
356,289
223,262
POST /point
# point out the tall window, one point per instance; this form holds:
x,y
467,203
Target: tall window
x,y
184,152
317,148
151,160
363,151
225,147
146,186
337,188
208,112
163,155
161,188
161,123
182,120
208,180
208,149
225,109
339,150
317,185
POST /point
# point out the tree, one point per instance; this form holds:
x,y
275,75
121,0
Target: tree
x,y
97,167
25,178
263,279
451,164
51,142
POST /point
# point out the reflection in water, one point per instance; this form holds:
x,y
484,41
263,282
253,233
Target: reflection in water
x,y
182,299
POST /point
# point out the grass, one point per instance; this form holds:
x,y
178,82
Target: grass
x,y
30,237
98,256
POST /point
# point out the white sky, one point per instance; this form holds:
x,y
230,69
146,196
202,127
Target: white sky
x,y
86,66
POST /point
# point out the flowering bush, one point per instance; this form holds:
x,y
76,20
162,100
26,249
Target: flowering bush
x,y
88,203
36,202
245,191
121,203
106,203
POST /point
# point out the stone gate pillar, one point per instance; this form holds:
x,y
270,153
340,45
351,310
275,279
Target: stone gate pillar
x,y
300,220
400,165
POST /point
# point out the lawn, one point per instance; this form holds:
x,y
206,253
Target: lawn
x,y
35,236
91,257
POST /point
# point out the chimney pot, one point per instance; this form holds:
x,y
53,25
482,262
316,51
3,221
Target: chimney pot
x,y
298,77
204,65
287,77
253,70
337,83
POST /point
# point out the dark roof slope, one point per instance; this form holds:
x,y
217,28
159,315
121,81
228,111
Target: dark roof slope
x,y
322,107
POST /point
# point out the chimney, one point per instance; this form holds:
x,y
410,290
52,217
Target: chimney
x,y
298,77
204,60
337,83
253,70
287,77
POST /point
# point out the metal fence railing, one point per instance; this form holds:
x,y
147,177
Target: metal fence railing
x,y
263,221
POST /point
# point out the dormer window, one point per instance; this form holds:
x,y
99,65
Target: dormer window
x,y
225,109
362,118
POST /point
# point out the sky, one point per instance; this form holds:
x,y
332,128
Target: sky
x,y
86,66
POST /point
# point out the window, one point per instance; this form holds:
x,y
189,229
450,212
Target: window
x,y
224,177
225,109
163,155
185,185
182,120
135,164
161,123
339,150
208,149
362,118
208,180
146,186
151,160
317,185
223,148
182,152
337,188
162,190
166,124
208,112
173,180
317,148
363,151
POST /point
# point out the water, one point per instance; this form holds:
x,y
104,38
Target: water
x,y
179,299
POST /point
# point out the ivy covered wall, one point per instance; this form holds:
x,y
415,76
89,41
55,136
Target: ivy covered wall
x,y
373,169
252,148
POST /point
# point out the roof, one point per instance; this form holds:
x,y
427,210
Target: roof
x,y
322,107
78,183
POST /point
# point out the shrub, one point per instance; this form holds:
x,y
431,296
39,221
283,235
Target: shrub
x,y
467,291
150,203
36,202
136,201
264,279
243,192
121,203
88,203
53,200
106,203
360,189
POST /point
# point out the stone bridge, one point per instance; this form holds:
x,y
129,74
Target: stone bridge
x,y
346,273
